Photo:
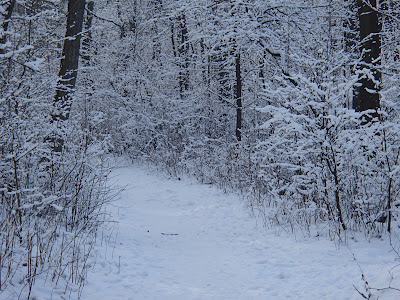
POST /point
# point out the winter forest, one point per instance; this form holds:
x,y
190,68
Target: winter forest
x,y
293,104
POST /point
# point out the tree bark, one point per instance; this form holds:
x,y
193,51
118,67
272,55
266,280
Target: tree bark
x,y
238,95
367,93
69,62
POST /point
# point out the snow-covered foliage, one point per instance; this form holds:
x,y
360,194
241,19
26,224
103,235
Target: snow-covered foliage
x,y
51,202
250,95
305,154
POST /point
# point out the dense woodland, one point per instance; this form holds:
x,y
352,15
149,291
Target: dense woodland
x,y
293,103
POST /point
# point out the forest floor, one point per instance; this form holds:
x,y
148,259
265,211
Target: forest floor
x,y
178,239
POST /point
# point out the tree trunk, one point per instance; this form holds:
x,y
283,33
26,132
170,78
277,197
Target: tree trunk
x,y
8,7
238,96
87,39
69,62
183,55
367,93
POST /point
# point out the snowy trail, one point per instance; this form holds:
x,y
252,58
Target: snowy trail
x,y
178,240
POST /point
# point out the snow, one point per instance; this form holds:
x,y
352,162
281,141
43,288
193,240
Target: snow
x,y
16,52
177,239
34,65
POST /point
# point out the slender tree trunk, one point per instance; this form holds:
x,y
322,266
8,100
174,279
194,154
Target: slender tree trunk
x,y
350,25
183,53
69,62
389,206
367,94
87,39
8,7
238,96
333,169
173,43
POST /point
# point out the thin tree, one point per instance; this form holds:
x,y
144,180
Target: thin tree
x,y
87,40
238,96
7,7
183,53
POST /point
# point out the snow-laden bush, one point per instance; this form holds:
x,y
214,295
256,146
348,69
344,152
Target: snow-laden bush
x,y
51,205
305,156
50,202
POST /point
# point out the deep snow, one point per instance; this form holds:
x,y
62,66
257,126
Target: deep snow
x,y
176,239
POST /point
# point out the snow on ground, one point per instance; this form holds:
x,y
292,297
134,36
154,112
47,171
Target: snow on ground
x,y
182,240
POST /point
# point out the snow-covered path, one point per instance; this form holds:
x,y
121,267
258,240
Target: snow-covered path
x,y
182,240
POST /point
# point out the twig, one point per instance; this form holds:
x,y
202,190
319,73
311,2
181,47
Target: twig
x,y
365,297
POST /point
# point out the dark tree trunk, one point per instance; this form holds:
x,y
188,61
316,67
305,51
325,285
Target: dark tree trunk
x,y
173,39
69,62
6,16
183,54
367,94
238,96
